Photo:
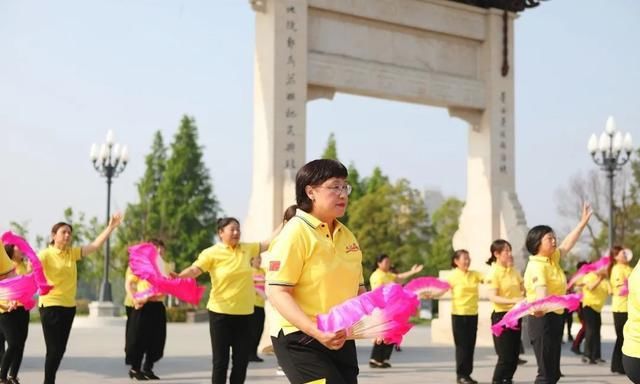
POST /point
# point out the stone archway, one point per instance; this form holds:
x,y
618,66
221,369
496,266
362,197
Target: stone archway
x,y
432,52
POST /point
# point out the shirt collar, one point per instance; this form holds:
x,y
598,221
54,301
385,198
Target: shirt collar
x,y
313,221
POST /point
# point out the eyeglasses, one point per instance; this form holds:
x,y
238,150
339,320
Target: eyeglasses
x,y
339,189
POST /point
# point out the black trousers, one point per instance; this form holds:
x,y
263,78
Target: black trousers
x,y
229,332
381,352
592,324
568,318
146,335
619,319
546,337
56,326
256,329
304,359
15,326
631,368
465,329
507,348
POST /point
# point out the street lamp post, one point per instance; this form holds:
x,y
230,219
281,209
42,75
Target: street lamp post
x,y
109,161
607,152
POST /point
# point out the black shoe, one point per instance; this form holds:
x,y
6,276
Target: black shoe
x,y
587,360
466,380
255,359
13,380
137,375
576,350
375,364
385,365
150,375
521,361
601,361
398,349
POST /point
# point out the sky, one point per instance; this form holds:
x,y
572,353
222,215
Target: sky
x,y
73,69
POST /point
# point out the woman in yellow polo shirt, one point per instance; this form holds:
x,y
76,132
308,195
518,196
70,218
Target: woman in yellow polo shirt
x,y
631,345
257,319
147,328
14,320
544,277
231,299
58,307
618,275
464,313
594,293
505,290
315,264
381,352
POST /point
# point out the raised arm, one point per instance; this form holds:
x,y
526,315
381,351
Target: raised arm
x,y
415,269
574,235
114,222
264,245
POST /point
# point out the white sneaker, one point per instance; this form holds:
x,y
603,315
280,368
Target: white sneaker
x,y
279,372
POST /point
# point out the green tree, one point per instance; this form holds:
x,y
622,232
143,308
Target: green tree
x,y
391,219
331,151
185,196
143,219
444,224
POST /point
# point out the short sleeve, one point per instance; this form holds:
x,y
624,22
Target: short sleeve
x,y
253,249
451,278
76,253
491,280
375,280
288,253
538,275
204,261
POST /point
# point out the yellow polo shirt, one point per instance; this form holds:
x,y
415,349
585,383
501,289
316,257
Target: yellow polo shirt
x,y
60,269
464,291
619,274
323,270
379,277
546,272
507,282
259,282
631,346
232,290
594,298
21,269
6,265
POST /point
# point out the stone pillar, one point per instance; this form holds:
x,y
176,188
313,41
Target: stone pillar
x,y
279,102
491,208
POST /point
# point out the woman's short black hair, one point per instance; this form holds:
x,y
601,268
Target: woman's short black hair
x,y
314,173
534,237
456,255
9,248
223,222
497,246
380,258
56,227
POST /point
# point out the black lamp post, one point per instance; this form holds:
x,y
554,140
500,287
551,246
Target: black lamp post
x,y
109,161
610,152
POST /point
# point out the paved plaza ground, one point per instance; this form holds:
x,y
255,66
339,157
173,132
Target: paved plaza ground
x,y
95,355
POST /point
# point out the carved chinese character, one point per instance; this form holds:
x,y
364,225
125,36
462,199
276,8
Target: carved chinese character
x,y
503,157
291,9
503,96
291,79
503,145
290,114
503,111
503,121
291,25
291,61
290,163
290,131
503,168
291,147
291,96
291,42
503,134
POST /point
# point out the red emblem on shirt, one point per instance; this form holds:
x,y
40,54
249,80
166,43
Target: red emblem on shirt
x,y
352,248
274,266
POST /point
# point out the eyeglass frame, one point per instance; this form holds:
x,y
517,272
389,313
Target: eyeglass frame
x,y
338,189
